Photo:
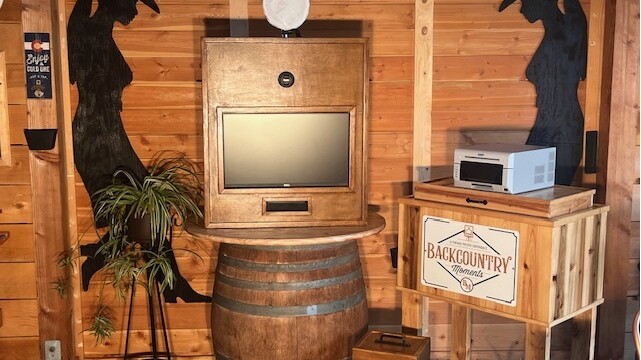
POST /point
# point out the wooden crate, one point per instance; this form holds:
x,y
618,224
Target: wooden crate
x,y
559,269
376,345
549,202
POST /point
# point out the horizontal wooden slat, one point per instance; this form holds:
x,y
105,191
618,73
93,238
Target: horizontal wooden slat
x,y
504,117
15,204
17,280
480,68
390,145
474,93
17,123
16,84
14,348
19,318
187,43
468,15
194,17
12,42
182,343
386,170
486,42
382,68
19,246
19,172
444,143
387,193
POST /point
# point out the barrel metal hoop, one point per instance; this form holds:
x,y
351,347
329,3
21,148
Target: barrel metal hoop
x,y
292,285
289,311
289,267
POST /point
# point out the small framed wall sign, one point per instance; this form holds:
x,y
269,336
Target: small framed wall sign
x,y
470,259
37,65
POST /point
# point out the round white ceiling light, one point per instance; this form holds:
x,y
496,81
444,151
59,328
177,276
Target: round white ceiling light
x,y
286,14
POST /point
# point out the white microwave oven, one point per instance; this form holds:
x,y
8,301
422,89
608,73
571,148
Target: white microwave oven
x,y
504,168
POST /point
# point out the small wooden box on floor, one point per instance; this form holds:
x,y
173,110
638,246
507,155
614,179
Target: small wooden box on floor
x,y
385,346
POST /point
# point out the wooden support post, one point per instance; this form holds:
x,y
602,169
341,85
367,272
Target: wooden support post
x,y
423,64
411,313
238,15
616,177
460,333
48,186
537,342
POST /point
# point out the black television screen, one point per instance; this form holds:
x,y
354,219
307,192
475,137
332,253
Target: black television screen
x,y
282,150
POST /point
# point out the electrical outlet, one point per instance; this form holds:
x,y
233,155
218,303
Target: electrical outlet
x,y
52,350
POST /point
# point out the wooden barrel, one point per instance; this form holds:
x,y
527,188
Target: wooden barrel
x,y
288,302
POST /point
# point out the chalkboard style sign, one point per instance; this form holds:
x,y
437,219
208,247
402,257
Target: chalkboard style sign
x,y
37,65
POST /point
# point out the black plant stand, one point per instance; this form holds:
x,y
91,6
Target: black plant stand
x,y
155,353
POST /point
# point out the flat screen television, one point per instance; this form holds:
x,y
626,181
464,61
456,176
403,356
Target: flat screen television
x,y
284,156
285,149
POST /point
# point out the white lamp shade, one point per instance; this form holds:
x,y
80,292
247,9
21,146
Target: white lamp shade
x,y
286,14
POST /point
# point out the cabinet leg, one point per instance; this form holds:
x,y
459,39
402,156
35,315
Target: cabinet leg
x,y
414,314
460,333
583,333
537,342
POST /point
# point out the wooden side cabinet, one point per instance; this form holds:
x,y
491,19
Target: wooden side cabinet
x,y
536,257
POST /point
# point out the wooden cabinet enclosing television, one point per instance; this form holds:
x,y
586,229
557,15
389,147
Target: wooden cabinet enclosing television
x,y
285,124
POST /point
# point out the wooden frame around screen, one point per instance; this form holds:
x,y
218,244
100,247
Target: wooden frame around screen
x,y
233,79
5,141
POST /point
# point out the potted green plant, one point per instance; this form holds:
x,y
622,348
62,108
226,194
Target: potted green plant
x,y
141,214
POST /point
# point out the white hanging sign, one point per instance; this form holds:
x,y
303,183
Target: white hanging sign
x,y
470,259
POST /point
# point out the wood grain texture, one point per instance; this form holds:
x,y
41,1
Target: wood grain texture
x,y
5,142
54,312
460,333
19,318
423,75
538,241
17,123
19,246
618,176
18,281
19,348
18,172
16,204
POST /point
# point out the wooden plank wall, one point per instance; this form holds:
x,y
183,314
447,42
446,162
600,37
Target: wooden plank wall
x,y
162,110
18,298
